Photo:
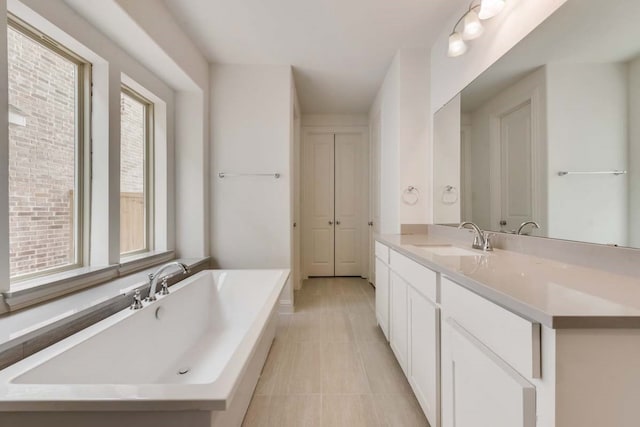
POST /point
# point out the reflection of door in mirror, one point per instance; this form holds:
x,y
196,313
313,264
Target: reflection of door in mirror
x,y
506,148
516,195
466,188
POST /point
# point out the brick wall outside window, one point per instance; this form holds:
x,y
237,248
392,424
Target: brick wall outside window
x,y
42,86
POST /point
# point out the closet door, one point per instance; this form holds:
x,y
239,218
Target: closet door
x,y
348,204
319,203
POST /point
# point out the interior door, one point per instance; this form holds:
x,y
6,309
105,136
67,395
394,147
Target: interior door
x,y
319,203
516,198
348,204
374,195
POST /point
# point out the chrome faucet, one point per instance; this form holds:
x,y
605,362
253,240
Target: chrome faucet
x,y
153,279
524,224
481,239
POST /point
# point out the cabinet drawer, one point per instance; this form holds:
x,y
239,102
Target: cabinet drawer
x,y
513,338
382,252
421,278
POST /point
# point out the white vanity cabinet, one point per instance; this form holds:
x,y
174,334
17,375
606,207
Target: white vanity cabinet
x,y
399,320
424,352
414,327
490,358
382,287
479,388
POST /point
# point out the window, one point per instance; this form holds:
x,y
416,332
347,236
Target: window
x,y
136,115
46,137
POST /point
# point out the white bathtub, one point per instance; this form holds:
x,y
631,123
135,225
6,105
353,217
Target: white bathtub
x,y
125,370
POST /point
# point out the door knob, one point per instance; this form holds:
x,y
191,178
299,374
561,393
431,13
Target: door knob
x,y
337,222
330,222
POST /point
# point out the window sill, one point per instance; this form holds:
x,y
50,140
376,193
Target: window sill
x,y
37,290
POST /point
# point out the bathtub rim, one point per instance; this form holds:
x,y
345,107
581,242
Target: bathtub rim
x,y
215,396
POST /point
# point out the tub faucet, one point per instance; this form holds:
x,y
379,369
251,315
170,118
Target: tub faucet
x,y
153,279
481,239
524,224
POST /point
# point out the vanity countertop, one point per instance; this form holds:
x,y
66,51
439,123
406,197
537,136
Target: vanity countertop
x,y
555,294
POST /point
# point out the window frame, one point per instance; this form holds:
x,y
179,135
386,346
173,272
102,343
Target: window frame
x,y
148,173
82,150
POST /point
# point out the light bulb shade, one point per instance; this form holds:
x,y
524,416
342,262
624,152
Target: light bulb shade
x,y
457,46
472,26
490,8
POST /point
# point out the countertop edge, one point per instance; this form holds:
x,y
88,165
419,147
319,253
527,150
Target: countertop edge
x,y
515,306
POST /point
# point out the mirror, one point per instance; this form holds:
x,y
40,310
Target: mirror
x,y
550,133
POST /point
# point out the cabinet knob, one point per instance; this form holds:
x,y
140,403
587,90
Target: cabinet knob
x,y
330,222
337,222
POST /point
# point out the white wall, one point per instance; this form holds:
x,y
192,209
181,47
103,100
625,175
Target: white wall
x,y
446,163
634,153
387,107
450,75
403,106
251,115
587,131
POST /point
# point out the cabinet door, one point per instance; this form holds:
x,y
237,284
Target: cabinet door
x,y
424,352
399,319
382,296
479,389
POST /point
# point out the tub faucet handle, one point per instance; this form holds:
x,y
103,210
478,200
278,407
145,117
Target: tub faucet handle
x,y
165,287
137,301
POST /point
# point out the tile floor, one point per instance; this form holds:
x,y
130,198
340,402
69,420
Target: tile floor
x,y
331,366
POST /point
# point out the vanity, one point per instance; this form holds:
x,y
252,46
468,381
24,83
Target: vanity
x,y
505,339
543,331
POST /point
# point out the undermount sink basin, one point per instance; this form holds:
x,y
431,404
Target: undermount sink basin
x,y
447,250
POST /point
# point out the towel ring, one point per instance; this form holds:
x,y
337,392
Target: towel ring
x,y
411,195
450,195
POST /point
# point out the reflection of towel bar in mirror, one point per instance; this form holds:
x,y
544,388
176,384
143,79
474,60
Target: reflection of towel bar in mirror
x,y
564,173
225,174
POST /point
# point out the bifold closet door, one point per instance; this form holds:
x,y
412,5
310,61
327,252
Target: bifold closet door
x,y
319,241
348,204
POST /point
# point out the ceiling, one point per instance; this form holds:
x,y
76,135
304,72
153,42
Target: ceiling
x,y
339,49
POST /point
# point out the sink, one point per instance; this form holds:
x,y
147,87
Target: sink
x,y
432,245
447,250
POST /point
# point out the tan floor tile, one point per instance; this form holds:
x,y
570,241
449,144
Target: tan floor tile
x,y
306,302
382,368
306,326
334,301
342,369
336,327
302,373
348,410
365,327
284,321
258,413
327,359
296,411
399,410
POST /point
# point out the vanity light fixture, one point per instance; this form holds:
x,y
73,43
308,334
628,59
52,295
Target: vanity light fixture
x,y
457,46
490,8
472,26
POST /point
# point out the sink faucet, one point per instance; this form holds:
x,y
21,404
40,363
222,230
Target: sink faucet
x,y
153,279
524,224
481,240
